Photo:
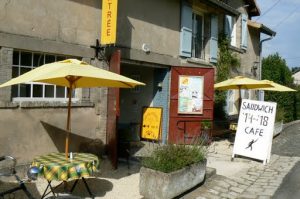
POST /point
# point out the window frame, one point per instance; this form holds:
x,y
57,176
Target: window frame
x,y
19,66
231,99
193,49
233,30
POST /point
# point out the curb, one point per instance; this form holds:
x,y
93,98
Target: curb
x,y
210,172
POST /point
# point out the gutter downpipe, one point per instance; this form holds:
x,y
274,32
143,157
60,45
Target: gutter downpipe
x,y
261,95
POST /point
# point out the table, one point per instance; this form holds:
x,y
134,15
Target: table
x,y
54,166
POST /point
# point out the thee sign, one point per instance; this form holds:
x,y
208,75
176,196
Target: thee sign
x,y
255,129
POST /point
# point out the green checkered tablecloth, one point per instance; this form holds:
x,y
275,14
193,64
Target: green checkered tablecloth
x,y
54,166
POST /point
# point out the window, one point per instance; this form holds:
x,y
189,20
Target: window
x,y
192,40
230,101
244,33
230,29
197,36
23,62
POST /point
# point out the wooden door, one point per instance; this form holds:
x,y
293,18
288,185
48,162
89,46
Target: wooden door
x,y
190,123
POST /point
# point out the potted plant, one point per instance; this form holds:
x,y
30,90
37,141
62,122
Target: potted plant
x,y
206,124
171,170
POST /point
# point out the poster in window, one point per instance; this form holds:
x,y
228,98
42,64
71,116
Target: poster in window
x,y
190,96
151,123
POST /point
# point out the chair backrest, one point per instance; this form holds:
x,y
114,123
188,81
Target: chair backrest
x,y
7,166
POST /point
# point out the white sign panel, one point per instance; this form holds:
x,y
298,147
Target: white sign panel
x,y
255,129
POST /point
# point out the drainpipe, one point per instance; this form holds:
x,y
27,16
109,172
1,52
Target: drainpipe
x,y
261,95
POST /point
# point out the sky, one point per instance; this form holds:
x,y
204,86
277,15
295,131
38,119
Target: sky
x,y
283,17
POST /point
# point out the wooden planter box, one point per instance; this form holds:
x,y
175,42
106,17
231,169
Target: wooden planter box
x,y
158,185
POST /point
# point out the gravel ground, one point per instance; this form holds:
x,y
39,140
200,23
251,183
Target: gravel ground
x,y
123,183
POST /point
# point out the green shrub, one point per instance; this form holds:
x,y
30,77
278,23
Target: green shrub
x,y
171,157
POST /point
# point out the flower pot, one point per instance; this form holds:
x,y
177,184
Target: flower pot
x,y
158,185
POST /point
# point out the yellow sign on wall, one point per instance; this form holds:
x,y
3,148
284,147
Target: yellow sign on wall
x,y
151,124
109,21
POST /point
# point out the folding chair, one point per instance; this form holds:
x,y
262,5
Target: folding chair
x,y
9,169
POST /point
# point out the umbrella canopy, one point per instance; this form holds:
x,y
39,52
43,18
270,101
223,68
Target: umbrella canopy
x,y
241,82
73,73
276,87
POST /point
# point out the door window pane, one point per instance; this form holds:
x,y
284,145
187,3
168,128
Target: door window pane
x,y
15,72
25,90
14,91
49,91
24,70
38,59
49,59
37,90
26,59
60,91
60,58
16,58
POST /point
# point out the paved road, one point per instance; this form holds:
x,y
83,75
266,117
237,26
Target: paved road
x,y
290,185
257,180
287,144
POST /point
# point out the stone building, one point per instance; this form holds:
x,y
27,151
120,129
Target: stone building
x,y
160,42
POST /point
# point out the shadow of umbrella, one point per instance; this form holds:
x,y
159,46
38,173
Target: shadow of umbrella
x,y
82,143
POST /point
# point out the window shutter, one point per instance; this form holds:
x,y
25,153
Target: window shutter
x,y
186,30
244,39
214,39
228,26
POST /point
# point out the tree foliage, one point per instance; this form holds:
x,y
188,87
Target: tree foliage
x,y
274,68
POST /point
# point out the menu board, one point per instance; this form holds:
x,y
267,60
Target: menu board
x,y
151,123
255,129
190,94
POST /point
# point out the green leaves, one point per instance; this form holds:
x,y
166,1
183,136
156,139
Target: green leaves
x,y
173,157
274,68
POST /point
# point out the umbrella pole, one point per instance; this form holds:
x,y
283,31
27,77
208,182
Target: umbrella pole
x,y
68,122
240,99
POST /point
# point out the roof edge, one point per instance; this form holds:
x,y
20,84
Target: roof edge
x,y
224,6
264,29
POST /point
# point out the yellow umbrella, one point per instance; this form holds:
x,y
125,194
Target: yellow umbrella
x,y
241,82
73,74
276,87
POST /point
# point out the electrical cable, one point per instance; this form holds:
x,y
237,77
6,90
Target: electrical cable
x,y
269,9
284,19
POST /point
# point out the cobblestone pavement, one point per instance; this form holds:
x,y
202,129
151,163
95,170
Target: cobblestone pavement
x,y
255,180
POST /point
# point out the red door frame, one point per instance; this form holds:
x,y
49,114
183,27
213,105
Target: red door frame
x,y
113,111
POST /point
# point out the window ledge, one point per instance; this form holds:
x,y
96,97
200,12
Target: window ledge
x,y
198,61
237,49
8,105
44,104
54,104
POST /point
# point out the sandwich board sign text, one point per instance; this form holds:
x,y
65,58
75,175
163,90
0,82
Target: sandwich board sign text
x,y
254,134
